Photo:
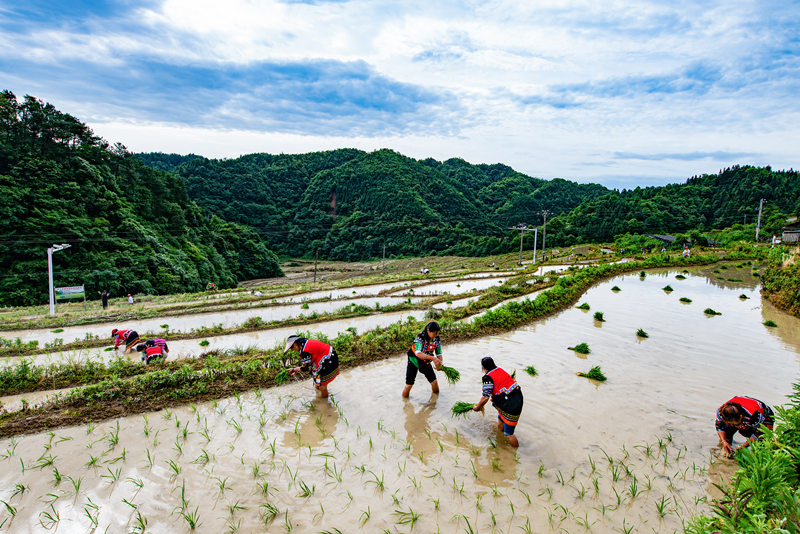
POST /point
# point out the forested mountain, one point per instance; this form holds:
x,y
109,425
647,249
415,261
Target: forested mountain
x,y
347,204
131,228
703,202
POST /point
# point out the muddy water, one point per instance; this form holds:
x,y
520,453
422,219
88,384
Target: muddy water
x,y
366,454
264,339
189,322
455,287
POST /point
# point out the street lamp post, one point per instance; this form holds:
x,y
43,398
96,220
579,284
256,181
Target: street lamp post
x,y
54,248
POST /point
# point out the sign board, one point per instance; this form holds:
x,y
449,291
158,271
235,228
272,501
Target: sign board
x,y
67,293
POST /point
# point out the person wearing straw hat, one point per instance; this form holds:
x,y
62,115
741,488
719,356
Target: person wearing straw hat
x,y
506,396
317,356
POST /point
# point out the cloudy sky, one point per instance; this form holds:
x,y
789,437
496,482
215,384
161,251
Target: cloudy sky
x,y
619,92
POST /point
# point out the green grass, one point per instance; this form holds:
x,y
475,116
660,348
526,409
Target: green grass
x,y
460,408
687,300
642,333
584,306
771,323
452,375
595,374
668,289
581,348
531,370
598,316
710,311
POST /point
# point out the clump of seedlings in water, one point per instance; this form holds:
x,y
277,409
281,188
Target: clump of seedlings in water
x,y
584,306
615,289
709,311
598,316
204,343
668,289
743,296
531,370
642,333
771,323
595,374
452,375
687,300
461,407
642,274
581,348
680,277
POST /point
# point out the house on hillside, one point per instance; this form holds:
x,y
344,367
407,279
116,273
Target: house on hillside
x,y
666,239
791,233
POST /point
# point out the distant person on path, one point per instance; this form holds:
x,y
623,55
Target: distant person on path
x,y
745,415
686,251
127,337
130,298
104,299
506,396
425,351
317,356
153,349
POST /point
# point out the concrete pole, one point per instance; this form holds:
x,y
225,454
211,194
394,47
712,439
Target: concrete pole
x,y
50,280
758,224
535,238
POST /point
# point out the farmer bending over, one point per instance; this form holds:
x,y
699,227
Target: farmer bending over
x,y
129,337
745,415
320,357
426,350
506,397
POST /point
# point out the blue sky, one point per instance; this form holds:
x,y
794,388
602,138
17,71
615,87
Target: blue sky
x,y
623,93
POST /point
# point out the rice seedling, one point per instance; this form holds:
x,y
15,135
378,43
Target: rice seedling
x,y
584,306
492,443
710,311
49,519
642,333
407,518
616,289
661,506
667,289
687,300
598,316
192,518
594,373
452,375
770,323
282,376
580,348
378,481
460,408
680,277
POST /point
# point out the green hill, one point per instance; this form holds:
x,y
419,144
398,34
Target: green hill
x,y
133,229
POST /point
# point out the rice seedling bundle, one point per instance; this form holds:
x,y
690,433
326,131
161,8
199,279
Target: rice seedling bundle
x,y
584,306
598,316
461,407
615,288
642,274
686,299
581,348
668,289
770,323
452,375
642,333
531,370
595,374
680,277
743,296
709,311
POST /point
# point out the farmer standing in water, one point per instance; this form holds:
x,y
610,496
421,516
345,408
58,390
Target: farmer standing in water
x,y
426,350
320,357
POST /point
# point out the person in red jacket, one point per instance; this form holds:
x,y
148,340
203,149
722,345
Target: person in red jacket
x,y
744,415
129,337
316,356
506,396
154,350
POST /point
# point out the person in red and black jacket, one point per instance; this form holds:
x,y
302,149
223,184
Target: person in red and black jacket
x,y
423,356
745,415
154,350
506,396
129,337
317,356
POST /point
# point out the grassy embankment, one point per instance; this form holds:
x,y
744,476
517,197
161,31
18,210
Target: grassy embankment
x,y
119,389
781,280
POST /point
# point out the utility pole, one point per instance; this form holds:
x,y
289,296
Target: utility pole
x,y
758,224
521,227
384,258
545,213
535,238
316,257
54,248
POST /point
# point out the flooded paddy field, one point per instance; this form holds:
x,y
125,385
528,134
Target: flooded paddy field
x,y
636,453
196,321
